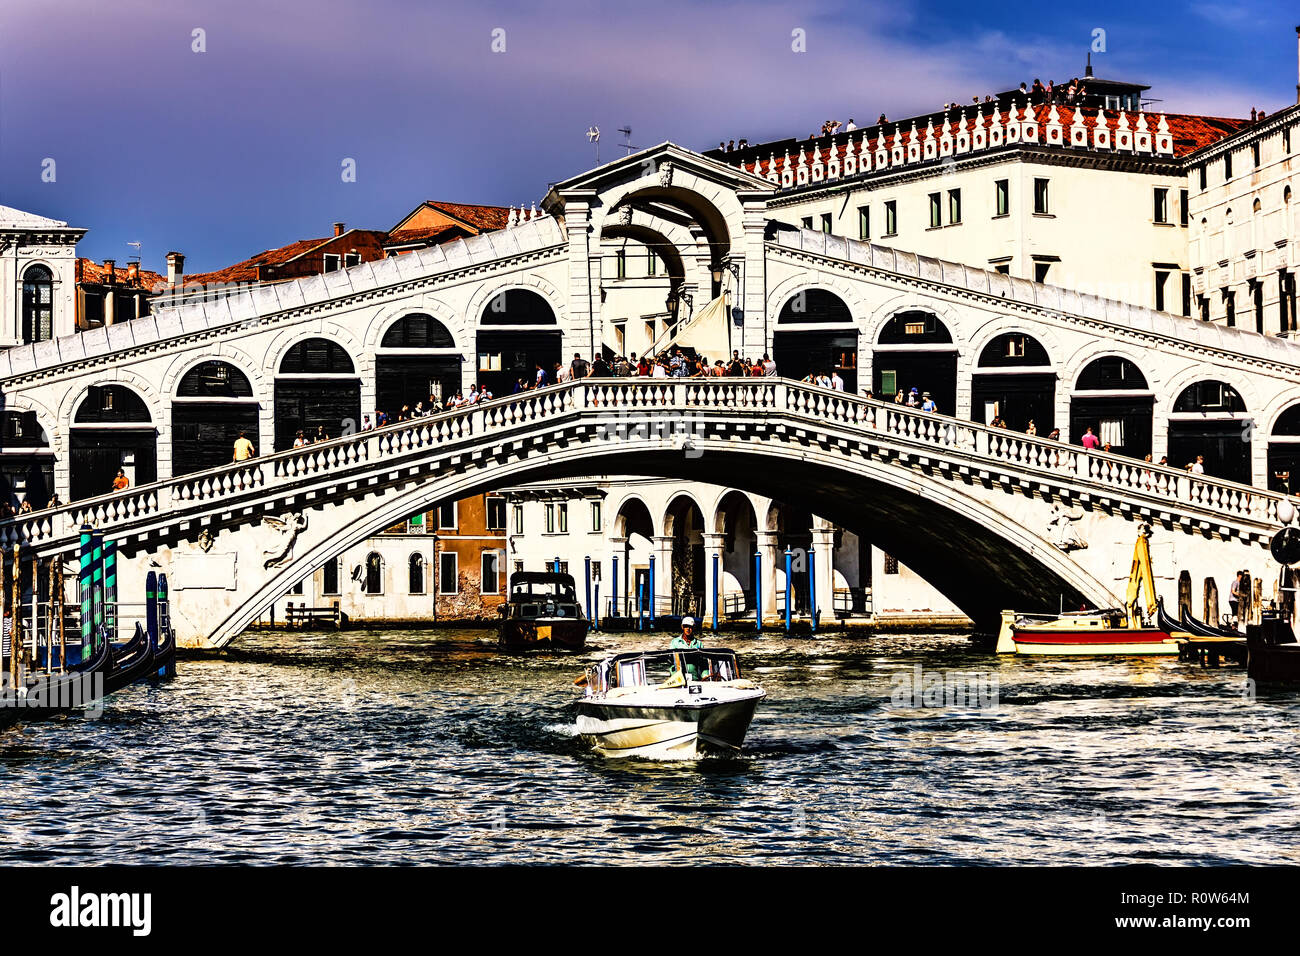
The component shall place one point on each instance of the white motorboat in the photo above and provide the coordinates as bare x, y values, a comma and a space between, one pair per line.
667, 705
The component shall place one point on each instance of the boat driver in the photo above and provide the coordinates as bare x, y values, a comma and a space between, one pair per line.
688, 640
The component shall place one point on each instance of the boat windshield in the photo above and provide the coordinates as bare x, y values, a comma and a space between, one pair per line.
542, 587
664, 667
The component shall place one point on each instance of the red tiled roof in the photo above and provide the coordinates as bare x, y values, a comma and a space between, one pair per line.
1189, 133
94, 273
431, 235
481, 218
247, 270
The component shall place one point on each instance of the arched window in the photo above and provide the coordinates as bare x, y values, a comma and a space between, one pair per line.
518, 307
1210, 397
111, 404
915, 328
814, 305
1013, 349
415, 567
38, 304
316, 356
417, 331
1110, 373
214, 380
374, 573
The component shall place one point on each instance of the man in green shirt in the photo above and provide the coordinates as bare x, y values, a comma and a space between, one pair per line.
690, 641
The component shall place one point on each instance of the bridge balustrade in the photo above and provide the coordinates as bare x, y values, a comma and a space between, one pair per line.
973, 444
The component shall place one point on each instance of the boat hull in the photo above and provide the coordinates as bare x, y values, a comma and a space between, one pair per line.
1093, 642
681, 730
544, 634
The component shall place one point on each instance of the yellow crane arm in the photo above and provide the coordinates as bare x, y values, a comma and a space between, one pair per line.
1140, 578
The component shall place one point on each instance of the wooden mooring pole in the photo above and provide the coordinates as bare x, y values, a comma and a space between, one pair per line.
16, 609
56, 595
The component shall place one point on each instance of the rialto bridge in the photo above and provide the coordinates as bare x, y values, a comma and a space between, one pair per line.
990, 516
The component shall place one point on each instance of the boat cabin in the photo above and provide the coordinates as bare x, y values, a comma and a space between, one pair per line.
535, 594
656, 668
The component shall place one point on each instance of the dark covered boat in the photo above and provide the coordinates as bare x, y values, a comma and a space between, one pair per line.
132, 661
1272, 653
542, 611
45, 695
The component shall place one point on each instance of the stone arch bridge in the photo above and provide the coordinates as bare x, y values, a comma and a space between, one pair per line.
995, 519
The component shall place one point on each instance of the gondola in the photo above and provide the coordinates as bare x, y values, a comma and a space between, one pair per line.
131, 661
1195, 628
164, 654
46, 695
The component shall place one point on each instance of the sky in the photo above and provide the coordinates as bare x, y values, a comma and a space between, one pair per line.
220, 129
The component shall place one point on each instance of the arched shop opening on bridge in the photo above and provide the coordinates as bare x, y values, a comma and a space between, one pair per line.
684, 524
1112, 398
1284, 452
736, 522
1014, 381
417, 363
916, 350
517, 332
214, 403
816, 334
26, 461
1209, 419
111, 429
317, 390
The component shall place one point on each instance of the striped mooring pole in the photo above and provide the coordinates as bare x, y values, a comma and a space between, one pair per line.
85, 559
110, 588
97, 581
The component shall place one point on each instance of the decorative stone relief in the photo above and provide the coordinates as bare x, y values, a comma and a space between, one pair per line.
289, 525
1063, 534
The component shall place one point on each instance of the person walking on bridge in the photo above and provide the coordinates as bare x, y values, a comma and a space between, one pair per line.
244, 449
120, 481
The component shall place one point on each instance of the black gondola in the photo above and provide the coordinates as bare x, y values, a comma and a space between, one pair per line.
1194, 627
131, 661
46, 695
164, 653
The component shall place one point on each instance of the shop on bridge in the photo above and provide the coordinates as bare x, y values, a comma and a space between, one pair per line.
1284, 452
317, 391
1014, 382
1111, 396
417, 363
517, 332
916, 350
1209, 419
112, 429
26, 461
816, 334
214, 403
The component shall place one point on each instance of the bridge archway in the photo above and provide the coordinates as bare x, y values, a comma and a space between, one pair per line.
684, 525
417, 363
915, 350
26, 460
517, 332
214, 402
317, 391
736, 520
816, 333
1014, 380
1111, 396
1284, 451
634, 528
1209, 420
112, 429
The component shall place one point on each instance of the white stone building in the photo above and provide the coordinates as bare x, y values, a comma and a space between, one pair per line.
38, 262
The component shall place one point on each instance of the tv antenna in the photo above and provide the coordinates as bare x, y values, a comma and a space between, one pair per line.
627, 139
593, 137
137, 246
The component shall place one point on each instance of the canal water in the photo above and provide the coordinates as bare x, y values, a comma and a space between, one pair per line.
431, 747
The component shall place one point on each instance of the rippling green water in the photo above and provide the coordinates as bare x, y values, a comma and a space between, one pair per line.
422, 747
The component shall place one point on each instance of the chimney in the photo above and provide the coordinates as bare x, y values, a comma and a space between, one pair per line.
133, 273
110, 271
338, 229
175, 268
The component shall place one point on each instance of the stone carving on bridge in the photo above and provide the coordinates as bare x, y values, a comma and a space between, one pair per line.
289, 525
625, 216
1063, 533
665, 174
206, 541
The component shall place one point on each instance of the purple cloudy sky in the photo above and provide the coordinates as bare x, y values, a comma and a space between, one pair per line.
224, 153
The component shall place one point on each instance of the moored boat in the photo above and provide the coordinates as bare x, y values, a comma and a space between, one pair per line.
131, 661
667, 705
542, 612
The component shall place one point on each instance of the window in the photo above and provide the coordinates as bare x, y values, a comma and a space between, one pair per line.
826, 223
651, 262
38, 304
954, 206
1182, 208
297, 588
332, 262
496, 514
1040, 271
807, 222
891, 564
1187, 294
1254, 153
1230, 308
620, 260
447, 516
1160, 210
1257, 299
1286, 139
891, 217
595, 516
1161, 277
490, 573
1040, 197
935, 211
330, 577
1227, 166
374, 573
519, 519
1004, 268
1002, 197
1015, 345
550, 519
1205, 307
864, 222
1201, 169
519, 566
415, 574
352, 259
562, 513
448, 573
